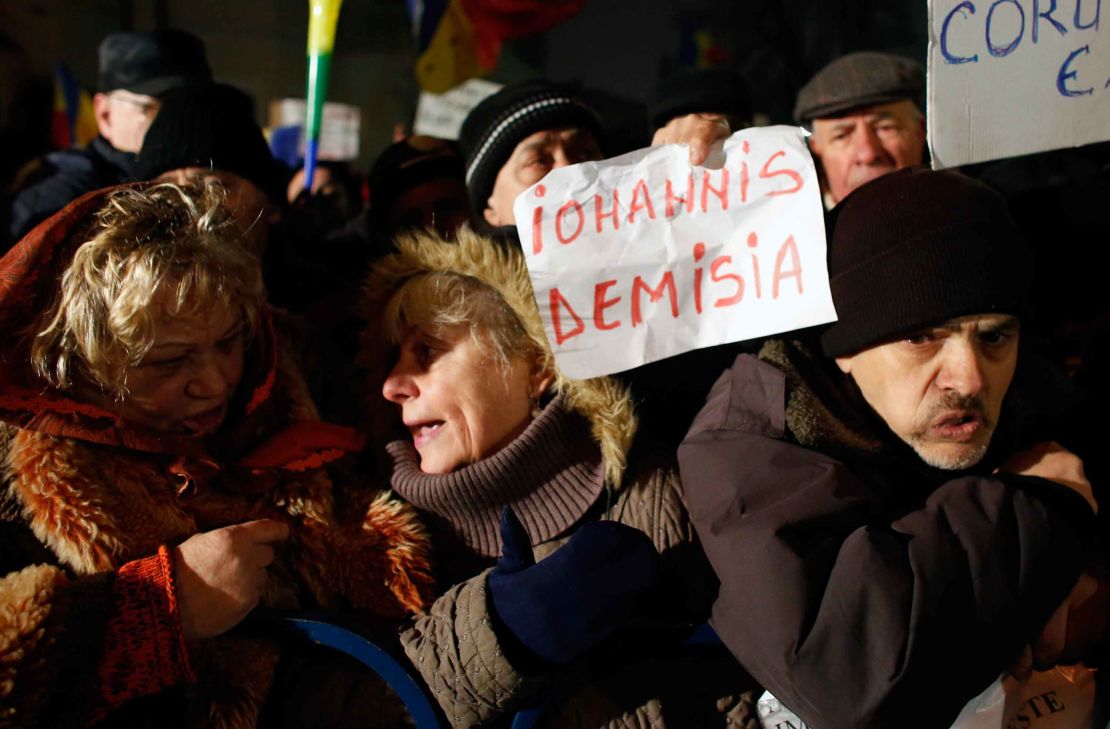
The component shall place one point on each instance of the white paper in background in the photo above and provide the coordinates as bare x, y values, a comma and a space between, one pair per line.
629, 267
339, 127
441, 115
1012, 77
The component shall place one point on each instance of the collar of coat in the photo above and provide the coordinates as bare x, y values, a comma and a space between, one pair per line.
825, 411
551, 474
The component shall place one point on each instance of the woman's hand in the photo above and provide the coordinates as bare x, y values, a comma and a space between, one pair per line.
220, 575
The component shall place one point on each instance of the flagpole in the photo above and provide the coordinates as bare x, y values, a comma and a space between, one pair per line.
323, 16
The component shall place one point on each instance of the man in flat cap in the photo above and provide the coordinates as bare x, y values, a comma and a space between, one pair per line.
865, 122
136, 70
516, 136
891, 524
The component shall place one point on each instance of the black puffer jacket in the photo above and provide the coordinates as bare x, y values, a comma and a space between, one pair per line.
67, 175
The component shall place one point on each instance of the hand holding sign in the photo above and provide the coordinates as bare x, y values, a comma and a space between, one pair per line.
642, 256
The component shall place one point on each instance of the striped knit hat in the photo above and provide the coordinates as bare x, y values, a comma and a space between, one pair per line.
494, 127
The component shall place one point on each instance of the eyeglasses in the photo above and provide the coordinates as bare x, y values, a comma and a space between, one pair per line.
146, 104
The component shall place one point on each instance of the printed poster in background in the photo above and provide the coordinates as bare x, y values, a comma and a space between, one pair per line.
442, 115
1013, 77
642, 257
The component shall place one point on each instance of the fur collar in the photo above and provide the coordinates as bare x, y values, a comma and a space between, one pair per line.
604, 402
824, 409
97, 507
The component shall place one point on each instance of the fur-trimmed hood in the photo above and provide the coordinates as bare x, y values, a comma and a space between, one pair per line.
603, 401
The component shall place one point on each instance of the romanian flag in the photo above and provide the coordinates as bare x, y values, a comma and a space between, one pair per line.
460, 39
699, 47
73, 123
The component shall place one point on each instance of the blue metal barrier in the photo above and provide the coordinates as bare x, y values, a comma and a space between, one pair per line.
392, 671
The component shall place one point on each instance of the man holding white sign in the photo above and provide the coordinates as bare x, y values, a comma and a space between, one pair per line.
516, 136
888, 535
643, 257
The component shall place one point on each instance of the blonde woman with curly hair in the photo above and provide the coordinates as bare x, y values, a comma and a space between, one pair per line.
569, 565
164, 471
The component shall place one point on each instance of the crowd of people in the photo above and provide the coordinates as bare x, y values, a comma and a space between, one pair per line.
224, 398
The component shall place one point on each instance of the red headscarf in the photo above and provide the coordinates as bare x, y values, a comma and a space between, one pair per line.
30, 276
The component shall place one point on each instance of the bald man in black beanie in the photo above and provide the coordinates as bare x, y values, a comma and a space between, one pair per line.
890, 524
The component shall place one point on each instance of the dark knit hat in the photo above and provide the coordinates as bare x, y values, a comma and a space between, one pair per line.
917, 247
495, 126
700, 90
857, 80
408, 163
213, 128
152, 63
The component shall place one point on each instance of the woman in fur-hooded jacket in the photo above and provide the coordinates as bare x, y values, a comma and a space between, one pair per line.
568, 559
163, 470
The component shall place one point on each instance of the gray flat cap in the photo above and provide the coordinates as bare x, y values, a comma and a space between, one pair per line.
857, 80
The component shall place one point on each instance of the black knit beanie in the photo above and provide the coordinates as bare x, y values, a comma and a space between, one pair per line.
406, 164
212, 128
917, 247
495, 126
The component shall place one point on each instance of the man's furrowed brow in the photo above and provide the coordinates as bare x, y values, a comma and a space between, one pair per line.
1001, 325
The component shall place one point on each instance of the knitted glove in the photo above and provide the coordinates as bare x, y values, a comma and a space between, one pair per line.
577, 596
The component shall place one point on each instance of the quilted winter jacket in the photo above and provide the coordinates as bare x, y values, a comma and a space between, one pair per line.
640, 678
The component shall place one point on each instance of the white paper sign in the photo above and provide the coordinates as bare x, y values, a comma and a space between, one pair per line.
1063, 697
642, 256
773, 715
442, 115
1012, 77
339, 126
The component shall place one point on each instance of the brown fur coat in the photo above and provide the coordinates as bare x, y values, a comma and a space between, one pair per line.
94, 508
82, 495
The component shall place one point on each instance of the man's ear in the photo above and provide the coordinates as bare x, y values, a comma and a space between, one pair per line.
845, 364
814, 143
101, 111
491, 215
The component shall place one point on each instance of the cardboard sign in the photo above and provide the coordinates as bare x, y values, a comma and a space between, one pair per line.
1012, 77
642, 256
442, 115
